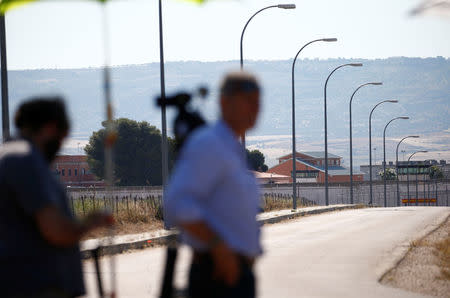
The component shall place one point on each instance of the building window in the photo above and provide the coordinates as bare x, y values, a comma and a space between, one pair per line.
412, 171
307, 174
83, 171
63, 172
75, 172
70, 172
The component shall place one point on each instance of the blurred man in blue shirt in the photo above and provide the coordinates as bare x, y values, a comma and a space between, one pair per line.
214, 199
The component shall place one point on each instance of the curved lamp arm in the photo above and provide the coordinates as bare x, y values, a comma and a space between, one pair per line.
284, 6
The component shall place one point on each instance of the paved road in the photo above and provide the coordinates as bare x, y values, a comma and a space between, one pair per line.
340, 254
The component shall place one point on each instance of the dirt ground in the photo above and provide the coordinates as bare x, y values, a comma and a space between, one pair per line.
126, 228
426, 267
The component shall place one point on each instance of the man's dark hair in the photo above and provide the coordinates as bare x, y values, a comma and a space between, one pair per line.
38, 111
237, 82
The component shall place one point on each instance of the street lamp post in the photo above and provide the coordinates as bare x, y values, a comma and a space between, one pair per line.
294, 172
375, 154
424, 192
4, 83
384, 156
435, 192
407, 175
370, 146
396, 166
164, 146
351, 144
417, 186
446, 193
283, 6
326, 128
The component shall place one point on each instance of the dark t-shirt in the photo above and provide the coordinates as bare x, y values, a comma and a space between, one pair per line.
28, 263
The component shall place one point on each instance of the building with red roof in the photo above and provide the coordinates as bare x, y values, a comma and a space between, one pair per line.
310, 168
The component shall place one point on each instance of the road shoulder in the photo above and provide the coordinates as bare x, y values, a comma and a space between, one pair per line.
425, 265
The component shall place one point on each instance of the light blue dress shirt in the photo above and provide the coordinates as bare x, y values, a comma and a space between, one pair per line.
211, 183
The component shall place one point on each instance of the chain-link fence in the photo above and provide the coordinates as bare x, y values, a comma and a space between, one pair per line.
143, 204
429, 192
145, 208
131, 209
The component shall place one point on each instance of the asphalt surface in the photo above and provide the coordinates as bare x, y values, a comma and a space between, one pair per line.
339, 254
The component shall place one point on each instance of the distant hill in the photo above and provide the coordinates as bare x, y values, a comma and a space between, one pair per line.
421, 85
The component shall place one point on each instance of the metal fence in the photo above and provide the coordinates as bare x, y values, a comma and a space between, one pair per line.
134, 208
130, 191
139, 202
144, 208
435, 192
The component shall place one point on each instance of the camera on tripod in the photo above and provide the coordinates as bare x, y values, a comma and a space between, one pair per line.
186, 120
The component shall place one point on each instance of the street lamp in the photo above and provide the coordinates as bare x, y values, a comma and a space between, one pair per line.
384, 155
325, 119
407, 172
164, 145
351, 144
283, 6
4, 80
396, 166
294, 175
370, 145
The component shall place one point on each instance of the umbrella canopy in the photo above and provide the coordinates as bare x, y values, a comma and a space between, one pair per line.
433, 7
6, 5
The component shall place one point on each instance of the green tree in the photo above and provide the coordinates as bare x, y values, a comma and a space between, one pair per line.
137, 153
435, 172
256, 160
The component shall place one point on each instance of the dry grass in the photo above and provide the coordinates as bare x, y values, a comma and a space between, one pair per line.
425, 268
132, 215
123, 228
280, 202
442, 252
138, 215
124, 209
440, 248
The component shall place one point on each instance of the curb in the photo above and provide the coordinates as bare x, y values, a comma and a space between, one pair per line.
119, 248
293, 215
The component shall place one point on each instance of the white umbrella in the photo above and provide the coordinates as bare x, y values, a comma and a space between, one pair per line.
439, 8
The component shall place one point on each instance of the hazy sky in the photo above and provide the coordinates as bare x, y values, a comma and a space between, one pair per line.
69, 33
